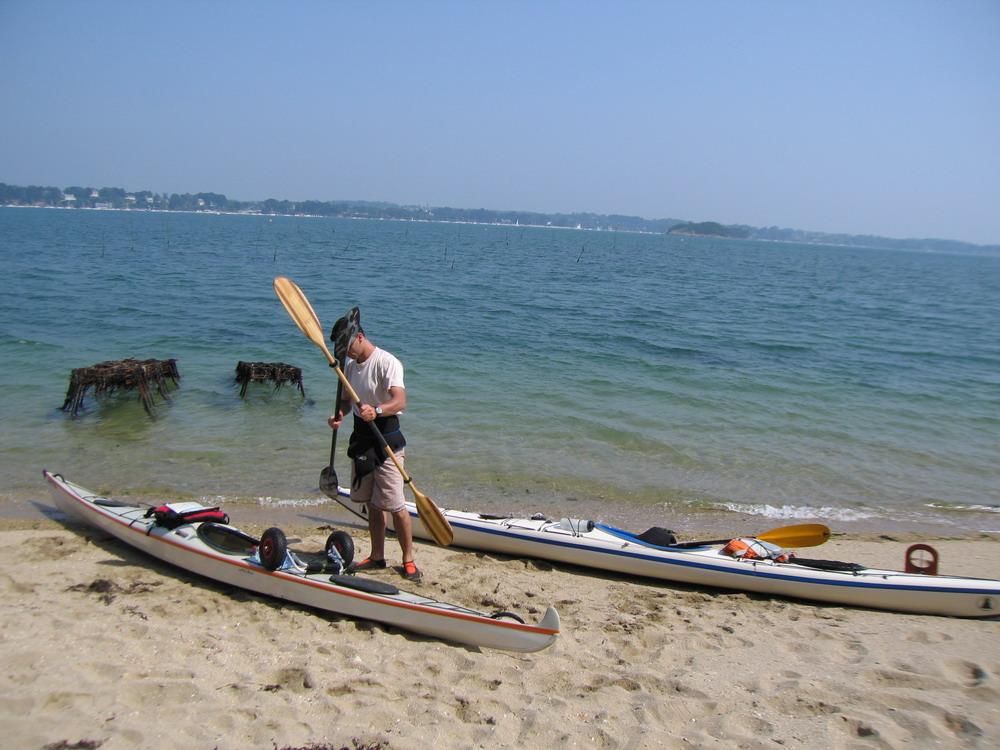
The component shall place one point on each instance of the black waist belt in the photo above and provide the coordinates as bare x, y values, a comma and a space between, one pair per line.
366, 450
363, 437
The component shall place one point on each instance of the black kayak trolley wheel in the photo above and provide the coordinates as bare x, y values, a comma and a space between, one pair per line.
344, 545
273, 548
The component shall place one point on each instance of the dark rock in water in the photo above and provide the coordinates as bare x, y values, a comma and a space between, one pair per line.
262, 372
121, 374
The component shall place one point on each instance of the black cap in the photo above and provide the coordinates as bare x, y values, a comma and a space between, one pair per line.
344, 331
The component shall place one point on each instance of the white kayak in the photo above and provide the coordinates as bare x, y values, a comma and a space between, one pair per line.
607, 548
226, 554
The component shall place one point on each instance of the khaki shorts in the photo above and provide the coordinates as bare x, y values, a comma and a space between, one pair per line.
383, 488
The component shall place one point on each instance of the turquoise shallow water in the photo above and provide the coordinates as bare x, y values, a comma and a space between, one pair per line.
627, 375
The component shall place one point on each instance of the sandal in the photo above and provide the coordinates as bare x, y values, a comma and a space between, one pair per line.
410, 572
367, 564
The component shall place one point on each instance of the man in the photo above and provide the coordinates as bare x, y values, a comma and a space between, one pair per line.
377, 378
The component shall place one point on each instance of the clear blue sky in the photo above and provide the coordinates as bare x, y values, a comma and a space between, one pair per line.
852, 116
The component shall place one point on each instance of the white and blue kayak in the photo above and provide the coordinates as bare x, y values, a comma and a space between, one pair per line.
607, 548
226, 554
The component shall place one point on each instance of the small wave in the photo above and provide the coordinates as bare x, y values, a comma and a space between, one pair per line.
778, 346
282, 502
797, 511
964, 508
26, 342
267, 502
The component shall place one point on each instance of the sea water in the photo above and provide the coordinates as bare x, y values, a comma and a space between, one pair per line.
656, 379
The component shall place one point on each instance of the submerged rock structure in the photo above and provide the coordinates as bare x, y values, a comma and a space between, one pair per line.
121, 374
263, 372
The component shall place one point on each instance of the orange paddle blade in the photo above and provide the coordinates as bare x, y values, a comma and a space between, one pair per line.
799, 535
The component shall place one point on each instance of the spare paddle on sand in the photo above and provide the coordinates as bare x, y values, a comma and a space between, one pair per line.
798, 535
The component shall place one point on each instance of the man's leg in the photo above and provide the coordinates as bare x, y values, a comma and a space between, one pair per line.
388, 494
376, 530
362, 493
404, 532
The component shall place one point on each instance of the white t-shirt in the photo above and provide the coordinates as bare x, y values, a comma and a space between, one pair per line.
373, 378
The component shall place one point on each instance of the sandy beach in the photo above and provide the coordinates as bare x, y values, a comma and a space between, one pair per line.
105, 647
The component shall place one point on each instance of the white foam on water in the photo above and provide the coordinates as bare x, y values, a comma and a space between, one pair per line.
798, 511
271, 502
281, 502
974, 508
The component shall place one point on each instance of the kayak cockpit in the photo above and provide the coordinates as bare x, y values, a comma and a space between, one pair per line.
227, 539
652, 537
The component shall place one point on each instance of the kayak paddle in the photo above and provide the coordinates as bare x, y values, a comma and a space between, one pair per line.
799, 535
328, 483
299, 309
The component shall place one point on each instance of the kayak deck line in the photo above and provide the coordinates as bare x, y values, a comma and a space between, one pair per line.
88, 503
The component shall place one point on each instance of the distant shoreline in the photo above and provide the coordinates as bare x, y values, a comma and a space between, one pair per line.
216, 212
112, 198
969, 249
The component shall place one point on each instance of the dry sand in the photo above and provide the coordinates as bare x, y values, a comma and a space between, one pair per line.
100, 643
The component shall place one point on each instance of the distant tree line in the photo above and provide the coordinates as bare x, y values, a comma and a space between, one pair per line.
112, 197
775, 234
712, 229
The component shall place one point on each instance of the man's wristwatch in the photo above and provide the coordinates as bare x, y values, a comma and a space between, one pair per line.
378, 411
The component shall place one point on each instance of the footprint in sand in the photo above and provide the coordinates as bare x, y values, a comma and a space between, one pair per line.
296, 679
49, 548
862, 729
968, 673
928, 636
961, 726
899, 678
925, 719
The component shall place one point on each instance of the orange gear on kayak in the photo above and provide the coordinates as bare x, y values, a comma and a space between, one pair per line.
754, 549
